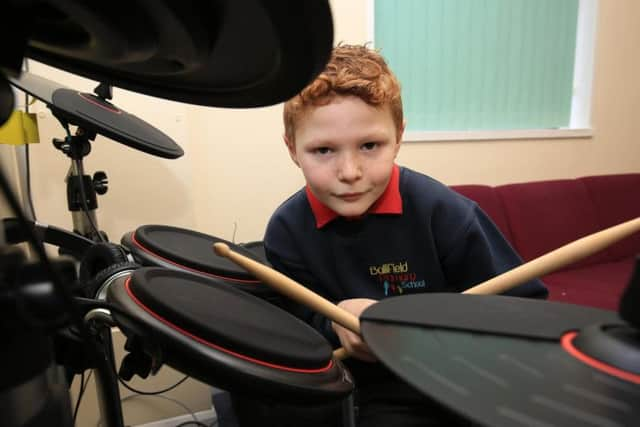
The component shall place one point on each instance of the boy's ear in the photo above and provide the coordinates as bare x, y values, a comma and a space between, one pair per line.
401, 131
399, 136
291, 146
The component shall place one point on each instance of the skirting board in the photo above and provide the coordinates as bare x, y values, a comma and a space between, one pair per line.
206, 417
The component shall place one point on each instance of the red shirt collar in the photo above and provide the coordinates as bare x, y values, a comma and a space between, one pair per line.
389, 202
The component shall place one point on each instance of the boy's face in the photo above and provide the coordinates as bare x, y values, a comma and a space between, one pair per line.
346, 150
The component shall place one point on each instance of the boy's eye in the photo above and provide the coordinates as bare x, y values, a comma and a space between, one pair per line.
322, 150
368, 146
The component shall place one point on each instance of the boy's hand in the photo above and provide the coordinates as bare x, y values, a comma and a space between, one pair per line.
349, 340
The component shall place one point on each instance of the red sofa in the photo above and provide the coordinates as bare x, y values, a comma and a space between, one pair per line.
538, 217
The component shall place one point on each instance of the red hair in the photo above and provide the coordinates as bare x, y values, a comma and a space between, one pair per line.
352, 70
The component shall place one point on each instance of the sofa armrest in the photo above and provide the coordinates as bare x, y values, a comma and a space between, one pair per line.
487, 198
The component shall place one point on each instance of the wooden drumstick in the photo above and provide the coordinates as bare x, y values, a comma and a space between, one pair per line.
340, 353
545, 264
556, 259
291, 288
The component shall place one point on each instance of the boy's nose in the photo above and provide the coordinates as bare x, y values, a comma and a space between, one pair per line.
349, 168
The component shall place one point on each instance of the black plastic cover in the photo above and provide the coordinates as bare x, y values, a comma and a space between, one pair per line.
223, 53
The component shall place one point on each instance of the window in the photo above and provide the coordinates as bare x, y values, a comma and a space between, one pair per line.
476, 69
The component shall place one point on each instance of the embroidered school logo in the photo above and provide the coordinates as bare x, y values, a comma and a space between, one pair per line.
395, 278
389, 267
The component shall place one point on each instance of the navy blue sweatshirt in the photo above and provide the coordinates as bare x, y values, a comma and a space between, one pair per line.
441, 242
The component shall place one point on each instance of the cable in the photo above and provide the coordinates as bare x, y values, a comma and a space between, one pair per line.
79, 399
27, 163
80, 392
83, 385
151, 393
103, 304
176, 401
194, 423
26, 152
138, 393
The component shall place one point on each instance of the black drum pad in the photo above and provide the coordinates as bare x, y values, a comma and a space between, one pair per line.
228, 319
227, 337
188, 248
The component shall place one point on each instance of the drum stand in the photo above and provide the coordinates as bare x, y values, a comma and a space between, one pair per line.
82, 202
94, 352
33, 319
82, 190
348, 412
108, 393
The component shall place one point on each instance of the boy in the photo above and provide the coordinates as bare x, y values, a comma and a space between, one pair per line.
364, 228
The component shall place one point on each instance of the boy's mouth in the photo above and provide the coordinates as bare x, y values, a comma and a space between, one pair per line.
350, 197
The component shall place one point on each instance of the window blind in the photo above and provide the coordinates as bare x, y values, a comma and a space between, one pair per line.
480, 64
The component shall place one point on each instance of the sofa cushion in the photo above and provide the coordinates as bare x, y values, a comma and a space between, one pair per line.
546, 215
487, 198
600, 285
616, 200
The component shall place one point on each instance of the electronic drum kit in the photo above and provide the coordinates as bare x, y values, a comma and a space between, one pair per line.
217, 315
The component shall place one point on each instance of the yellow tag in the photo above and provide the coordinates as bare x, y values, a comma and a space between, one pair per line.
21, 128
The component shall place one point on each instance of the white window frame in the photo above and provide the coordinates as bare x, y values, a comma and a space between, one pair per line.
580, 120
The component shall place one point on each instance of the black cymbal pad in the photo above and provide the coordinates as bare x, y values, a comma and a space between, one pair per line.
499, 360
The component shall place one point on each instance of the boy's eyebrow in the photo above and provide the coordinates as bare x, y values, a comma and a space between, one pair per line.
376, 134
371, 135
319, 142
